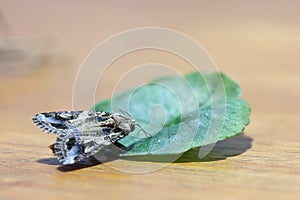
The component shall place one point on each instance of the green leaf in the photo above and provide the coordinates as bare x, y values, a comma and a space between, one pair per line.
181, 112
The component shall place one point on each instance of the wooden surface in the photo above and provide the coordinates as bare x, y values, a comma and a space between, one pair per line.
259, 48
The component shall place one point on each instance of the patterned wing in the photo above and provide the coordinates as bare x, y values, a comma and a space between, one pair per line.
80, 134
55, 122
70, 149
76, 146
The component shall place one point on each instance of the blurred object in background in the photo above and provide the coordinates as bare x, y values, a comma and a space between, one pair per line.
18, 55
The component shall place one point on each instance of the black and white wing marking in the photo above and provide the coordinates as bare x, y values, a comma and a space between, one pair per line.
80, 134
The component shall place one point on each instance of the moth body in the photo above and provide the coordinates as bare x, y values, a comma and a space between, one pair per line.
81, 134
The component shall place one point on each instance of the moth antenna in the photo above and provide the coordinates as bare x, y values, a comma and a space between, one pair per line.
124, 112
144, 131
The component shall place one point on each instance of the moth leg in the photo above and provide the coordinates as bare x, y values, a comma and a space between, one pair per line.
109, 138
144, 131
51, 146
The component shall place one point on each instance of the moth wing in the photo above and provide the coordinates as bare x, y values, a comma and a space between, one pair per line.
55, 122
74, 147
79, 133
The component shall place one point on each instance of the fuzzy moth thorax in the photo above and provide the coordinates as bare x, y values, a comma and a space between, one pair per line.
125, 123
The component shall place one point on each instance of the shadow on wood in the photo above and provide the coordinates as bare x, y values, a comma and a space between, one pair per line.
230, 147
89, 162
223, 149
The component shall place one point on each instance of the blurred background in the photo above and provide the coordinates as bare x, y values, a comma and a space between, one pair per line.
246, 39
256, 43
43, 43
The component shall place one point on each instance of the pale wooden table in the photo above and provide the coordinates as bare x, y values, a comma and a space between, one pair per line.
255, 44
261, 163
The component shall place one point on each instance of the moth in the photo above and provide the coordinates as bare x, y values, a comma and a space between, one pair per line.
81, 134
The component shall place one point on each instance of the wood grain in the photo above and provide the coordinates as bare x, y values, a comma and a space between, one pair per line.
262, 163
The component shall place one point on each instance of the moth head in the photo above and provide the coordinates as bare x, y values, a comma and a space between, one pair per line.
125, 123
